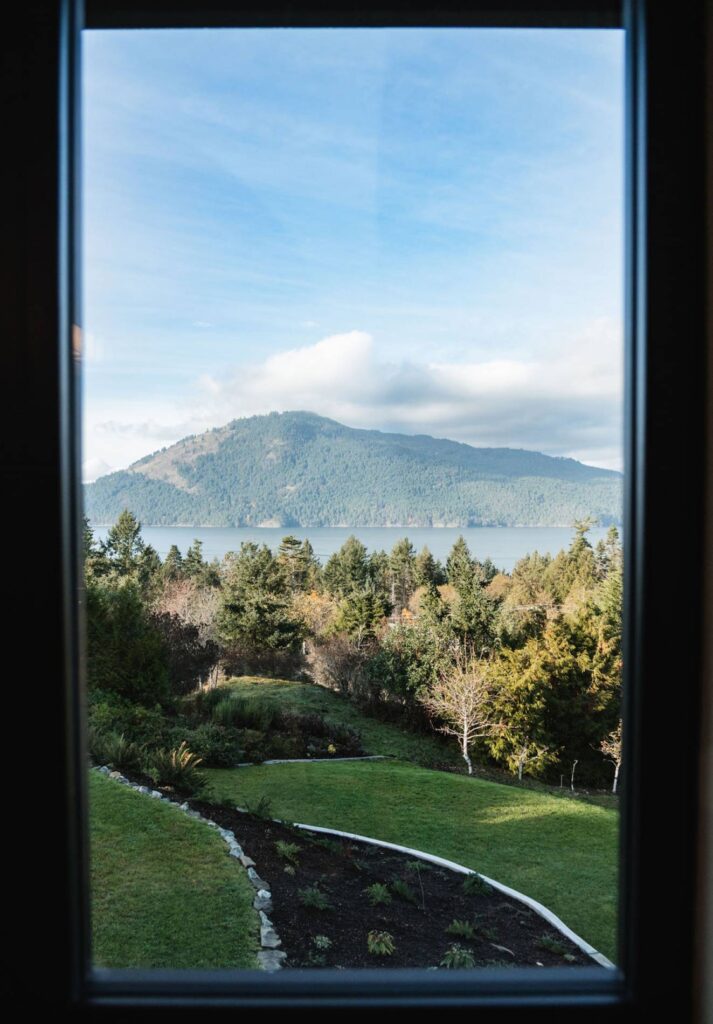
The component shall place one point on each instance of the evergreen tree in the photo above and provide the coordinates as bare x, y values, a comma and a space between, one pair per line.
256, 611
427, 569
459, 565
127, 554
360, 614
173, 564
347, 569
402, 573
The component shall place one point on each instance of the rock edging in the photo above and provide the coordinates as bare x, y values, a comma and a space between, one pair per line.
270, 957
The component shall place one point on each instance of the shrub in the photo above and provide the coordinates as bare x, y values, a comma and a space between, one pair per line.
176, 768
314, 898
380, 943
457, 957
322, 942
149, 727
474, 885
261, 808
115, 750
403, 890
216, 745
288, 851
245, 712
463, 929
378, 893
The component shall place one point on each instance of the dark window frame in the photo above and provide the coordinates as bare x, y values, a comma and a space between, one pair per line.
666, 401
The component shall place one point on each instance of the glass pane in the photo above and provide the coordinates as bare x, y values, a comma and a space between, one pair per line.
353, 441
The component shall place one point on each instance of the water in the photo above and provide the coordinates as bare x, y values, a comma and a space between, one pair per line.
503, 544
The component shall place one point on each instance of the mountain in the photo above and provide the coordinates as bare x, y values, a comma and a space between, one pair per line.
300, 469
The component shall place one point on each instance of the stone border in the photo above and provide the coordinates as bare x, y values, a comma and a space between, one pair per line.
270, 957
539, 908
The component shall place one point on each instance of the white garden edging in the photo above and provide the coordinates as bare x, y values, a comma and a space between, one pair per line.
452, 866
312, 760
270, 957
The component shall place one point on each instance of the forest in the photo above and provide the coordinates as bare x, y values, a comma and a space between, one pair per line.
518, 673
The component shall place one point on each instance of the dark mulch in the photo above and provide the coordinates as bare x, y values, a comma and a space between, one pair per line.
506, 933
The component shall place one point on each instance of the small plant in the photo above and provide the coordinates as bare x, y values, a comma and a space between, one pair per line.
314, 898
463, 929
288, 851
115, 750
475, 886
457, 957
403, 890
552, 945
415, 867
176, 768
380, 943
321, 942
289, 869
261, 809
378, 893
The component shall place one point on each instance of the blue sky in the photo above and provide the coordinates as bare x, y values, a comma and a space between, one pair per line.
415, 230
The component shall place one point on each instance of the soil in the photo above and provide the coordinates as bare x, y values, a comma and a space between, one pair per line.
505, 932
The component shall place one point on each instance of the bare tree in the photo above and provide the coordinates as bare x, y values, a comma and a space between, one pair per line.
462, 701
611, 748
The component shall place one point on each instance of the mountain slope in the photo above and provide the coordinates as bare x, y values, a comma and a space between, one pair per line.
300, 469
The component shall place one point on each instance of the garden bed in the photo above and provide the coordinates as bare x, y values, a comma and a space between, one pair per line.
329, 894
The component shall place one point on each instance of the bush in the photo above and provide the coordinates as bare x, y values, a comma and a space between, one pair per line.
380, 943
378, 893
314, 898
115, 750
216, 745
457, 957
245, 712
177, 769
144, 726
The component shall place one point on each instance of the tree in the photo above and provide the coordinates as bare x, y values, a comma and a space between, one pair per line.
256, 611
402, 573
173, 568
347, 569
298, 563
360, 613
127, 554
459, 565
462, 700
611, 748
427, 569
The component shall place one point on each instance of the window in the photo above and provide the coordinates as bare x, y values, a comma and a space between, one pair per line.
665, 419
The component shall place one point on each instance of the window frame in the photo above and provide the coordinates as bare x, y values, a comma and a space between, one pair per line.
664, 415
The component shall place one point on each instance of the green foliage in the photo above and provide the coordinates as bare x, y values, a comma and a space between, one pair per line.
462, 929
322, 942
115, 750
552, 945
261, 808
378, 893
217, 746
360, 614
322, 473
474, 885
380, 943
313, 898
177, 769
126, 654
288, 851
403, 890
456, 957
256, 612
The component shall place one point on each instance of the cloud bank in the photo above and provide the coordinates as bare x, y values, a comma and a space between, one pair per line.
567, 401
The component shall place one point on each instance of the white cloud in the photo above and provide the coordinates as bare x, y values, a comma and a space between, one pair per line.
565, 402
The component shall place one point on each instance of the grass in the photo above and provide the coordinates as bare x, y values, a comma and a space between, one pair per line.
377, 737
165, 892
560, 851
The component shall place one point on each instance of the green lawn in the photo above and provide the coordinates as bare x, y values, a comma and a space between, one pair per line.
165, 892
377, 737
560, 851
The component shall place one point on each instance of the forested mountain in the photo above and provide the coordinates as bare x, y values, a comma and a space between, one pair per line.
300, 469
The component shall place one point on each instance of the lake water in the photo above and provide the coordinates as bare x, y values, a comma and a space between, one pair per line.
504, 545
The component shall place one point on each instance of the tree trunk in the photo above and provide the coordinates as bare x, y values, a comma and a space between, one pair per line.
466, 757
616, 775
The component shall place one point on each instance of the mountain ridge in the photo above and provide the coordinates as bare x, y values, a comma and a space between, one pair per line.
303, 470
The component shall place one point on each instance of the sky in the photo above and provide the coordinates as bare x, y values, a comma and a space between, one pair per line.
417, 230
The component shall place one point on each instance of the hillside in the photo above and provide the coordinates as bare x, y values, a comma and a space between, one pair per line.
300, 469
